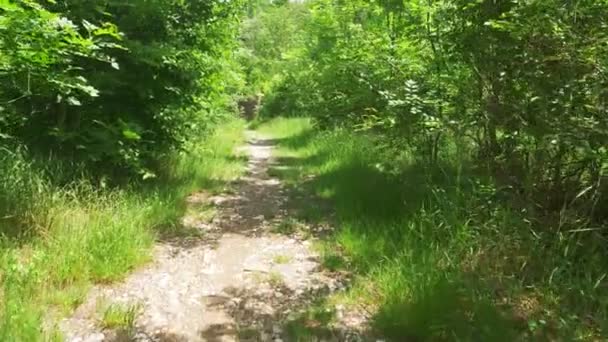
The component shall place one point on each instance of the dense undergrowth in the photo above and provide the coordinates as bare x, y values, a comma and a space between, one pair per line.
437, 251
67, 237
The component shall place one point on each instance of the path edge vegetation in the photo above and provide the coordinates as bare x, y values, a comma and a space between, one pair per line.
431, 258
463, 145
111, 113
86, 233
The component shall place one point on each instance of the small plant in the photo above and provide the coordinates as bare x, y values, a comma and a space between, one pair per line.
249, 334
202, 212
285, 227
333, 262
313, 324
258, 277
120, 317
275, 279
331, 257
281, 259
288, 227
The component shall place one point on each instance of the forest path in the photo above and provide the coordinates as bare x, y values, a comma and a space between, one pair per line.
237, 281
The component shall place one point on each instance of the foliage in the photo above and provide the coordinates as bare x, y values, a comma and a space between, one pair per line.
519, 84
271, 36
459, 134
58, 240
437, 256
111, 84
121, 317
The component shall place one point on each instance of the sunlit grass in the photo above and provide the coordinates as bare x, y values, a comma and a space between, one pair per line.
282, 128
120, 317
58, 241
435, 254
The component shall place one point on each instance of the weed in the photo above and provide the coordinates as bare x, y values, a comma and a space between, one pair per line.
275, 279
289, 226
286, 227
331, 257
281, 259
202, 212
249, 334
120, 317
312, 325
259, 277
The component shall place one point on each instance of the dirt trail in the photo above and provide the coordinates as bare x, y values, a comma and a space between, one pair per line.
238, 282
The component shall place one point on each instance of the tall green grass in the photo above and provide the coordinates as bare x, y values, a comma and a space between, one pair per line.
57, 241
437, 251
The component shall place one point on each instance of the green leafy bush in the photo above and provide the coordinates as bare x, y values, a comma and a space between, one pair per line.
110, 84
